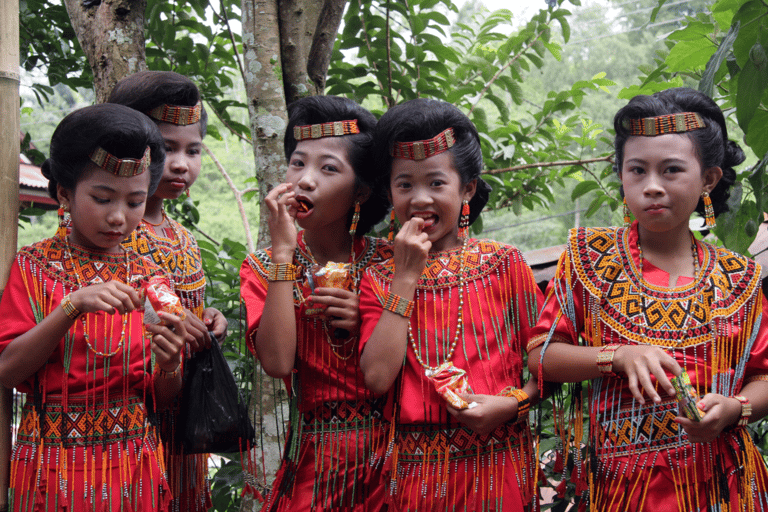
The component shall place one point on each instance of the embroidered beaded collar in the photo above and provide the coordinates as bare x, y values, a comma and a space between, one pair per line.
124, 167
421, 149
660, 125
177, 114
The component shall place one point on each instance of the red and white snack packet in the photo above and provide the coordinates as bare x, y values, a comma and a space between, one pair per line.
159, 297
449, 381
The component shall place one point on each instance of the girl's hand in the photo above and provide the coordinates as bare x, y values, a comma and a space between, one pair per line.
343, 309
168, 341
412, 246
281, 204
490, 412
638, 362
721, 412
112, 297
215, 322
197, 332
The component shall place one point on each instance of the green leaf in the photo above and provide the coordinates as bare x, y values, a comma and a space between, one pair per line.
707, 83
687, 55
582, 188
752, 82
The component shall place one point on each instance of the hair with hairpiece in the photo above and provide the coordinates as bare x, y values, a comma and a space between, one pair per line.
326, 109
711, 143
422, 119
119, 130
146, 90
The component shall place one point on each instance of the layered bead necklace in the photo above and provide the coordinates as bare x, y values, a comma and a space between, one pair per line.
694, 252
83, 315
460, 316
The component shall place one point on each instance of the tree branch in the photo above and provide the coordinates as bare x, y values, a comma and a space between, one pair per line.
319, 57
561, 163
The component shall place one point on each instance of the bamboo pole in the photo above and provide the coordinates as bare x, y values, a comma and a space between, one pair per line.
9, 194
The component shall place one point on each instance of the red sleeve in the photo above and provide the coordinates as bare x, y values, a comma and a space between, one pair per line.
757, 364
15, 306
253, 292
371, 297
563, 288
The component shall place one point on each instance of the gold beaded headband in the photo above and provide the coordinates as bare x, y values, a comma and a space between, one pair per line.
176, 114
670, 123
124, 167
421, 149
332, 129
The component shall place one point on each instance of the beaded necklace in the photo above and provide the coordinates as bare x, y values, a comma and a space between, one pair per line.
82, 316
356, 288
177, 236
460, 319
694, 252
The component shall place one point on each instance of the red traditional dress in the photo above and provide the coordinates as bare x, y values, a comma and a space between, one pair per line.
334, 453
175, 250
436, 463
639, 458
84, 440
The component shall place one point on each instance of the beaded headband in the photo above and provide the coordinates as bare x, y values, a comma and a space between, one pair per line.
670, 123
421, 149
332, 129
124, 167
176, 114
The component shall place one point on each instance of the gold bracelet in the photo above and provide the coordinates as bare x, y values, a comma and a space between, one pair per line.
168, 375
398, 305
605, 360
282, 272
746, 410
70, 310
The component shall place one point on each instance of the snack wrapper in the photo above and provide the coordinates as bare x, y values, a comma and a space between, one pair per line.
159, 297
449, 381
687, 398
333, 275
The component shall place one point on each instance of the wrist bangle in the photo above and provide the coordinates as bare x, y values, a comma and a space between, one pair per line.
398, 305
605, 360
282, 272
746, 410
168, 375
523, 400
69, 309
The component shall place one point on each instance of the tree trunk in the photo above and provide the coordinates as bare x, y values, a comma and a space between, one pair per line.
9, 195
111, 33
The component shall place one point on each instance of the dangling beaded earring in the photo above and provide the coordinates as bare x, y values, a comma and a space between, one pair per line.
62, 231
391, 235
464, 220
709, 211
627, 215
187, 192
355, 220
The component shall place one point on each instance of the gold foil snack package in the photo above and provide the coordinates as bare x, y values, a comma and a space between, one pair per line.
159, 297
449, 382
332, 275
687, 398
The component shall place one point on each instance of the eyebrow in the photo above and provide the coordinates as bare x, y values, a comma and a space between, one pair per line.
304, 154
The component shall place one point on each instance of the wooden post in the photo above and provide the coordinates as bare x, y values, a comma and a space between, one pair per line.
9, 194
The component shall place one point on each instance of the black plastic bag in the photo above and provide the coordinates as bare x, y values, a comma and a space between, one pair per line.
213, 417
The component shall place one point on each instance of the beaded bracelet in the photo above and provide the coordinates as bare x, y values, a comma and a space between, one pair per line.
282, 272
169, 375
746, 410
523, 400
398, 305
69, 309
605, 360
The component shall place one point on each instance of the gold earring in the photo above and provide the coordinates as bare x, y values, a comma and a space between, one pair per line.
627, 215
61, 232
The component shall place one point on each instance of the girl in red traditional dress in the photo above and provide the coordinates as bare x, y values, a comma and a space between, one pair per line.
173, 102
636, 308
304, 329
72, 336
444, 324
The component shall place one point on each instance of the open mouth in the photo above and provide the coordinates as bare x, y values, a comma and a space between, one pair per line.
303, 205
429, 220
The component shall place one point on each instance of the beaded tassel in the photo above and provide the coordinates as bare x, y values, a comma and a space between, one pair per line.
62, 231
355, 220
391, 235
627, 214
709, 211
464, 220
